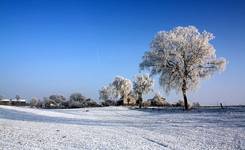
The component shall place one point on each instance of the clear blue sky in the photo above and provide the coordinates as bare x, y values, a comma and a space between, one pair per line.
64, 46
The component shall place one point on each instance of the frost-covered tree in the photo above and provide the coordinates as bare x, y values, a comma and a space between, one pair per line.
58, 98
77, 100
142, 85
182, 56
122, 87
107, 93
78, 97
33, 102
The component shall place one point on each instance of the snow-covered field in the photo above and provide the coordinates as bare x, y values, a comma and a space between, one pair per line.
121, 128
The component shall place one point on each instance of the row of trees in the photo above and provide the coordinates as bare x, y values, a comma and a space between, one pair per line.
76, 100
181, 57
123, 91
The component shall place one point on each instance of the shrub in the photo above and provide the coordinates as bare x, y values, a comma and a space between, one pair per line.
180, 103
74, 104
108, 103
49, 103
57, 98
92, 103
146, 103
119, 102
166, 104
157, 100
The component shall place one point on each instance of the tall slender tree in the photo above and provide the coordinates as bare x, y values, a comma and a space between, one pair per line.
122, 87
142, 85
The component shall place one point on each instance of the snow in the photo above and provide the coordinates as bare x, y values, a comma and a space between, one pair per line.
121, 128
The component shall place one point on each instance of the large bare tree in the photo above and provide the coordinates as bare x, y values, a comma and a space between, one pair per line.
182, 56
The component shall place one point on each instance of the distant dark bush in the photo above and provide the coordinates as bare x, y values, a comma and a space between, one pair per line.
180, 103
49, 103
108, 103
167, 104
92, 103
146, 103
119, 102
159, 101
58, 98
40, 104
74, 104
65, 104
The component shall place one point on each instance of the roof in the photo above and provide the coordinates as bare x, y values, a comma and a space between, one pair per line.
18, 100
4, 100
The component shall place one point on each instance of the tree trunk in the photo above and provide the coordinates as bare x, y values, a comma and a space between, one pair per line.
121, 101
184, 95
140, 100
185, 100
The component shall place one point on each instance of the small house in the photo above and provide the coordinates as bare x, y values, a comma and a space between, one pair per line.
5, 102
18, 102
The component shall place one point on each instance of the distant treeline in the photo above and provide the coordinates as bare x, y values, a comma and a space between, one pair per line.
77, 100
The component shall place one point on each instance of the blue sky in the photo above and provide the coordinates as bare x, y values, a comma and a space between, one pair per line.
64, 46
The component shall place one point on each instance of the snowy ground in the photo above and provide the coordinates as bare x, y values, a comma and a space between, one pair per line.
121, 128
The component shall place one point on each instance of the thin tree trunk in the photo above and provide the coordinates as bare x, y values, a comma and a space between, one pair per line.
121, 101
140, 100
184, 95
185, 100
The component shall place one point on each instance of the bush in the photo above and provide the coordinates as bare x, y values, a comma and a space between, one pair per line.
157, 100
108, 103
57, 98
119, 102
146, 103
65, 104
92, 104
180, 103
74, 104
49, 103
167, 104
